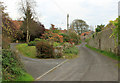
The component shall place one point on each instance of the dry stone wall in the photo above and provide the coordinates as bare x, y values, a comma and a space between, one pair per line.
103, 41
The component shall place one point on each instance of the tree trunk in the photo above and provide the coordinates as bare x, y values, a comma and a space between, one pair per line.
27, 38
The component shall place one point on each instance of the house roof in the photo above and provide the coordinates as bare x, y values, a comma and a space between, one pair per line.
86, 33
46, 29
17, 23
63, 31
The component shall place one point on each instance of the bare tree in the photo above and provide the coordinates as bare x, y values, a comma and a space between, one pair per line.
27, 10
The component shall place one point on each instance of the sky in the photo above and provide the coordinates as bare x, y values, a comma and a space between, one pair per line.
93, 12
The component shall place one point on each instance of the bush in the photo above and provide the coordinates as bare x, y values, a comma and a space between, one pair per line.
32, 43
71, 50
86, 40
66, 44
11, 65
44, 50
12, 68
66, 37
55, 44
37, 39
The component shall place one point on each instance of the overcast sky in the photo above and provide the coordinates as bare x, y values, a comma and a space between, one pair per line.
94, 12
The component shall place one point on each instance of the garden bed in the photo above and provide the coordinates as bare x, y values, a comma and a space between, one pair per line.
30, 51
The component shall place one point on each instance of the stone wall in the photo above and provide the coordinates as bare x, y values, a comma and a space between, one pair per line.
103, 41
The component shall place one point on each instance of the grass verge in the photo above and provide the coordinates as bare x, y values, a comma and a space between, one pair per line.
70, 56
25, 77
12, 67
29, 51
71, 52
109, 54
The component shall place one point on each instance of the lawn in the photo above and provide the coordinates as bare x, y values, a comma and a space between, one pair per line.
29, 51
109, 54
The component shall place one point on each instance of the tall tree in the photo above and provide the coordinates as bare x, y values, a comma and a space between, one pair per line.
30, 27
99, 28
79, 26
28, 18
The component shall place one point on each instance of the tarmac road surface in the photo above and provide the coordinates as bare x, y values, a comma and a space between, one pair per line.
89, 66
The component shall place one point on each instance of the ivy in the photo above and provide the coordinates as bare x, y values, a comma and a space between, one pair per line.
11, 65
115, 31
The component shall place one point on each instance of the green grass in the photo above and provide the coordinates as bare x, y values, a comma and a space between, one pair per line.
71, 52
12, 68
55, 44
109, 54
29, 51
70, 56
25, 77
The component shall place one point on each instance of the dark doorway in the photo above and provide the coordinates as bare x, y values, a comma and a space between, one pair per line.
99, 43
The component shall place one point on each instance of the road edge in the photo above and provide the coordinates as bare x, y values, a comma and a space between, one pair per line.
37, 79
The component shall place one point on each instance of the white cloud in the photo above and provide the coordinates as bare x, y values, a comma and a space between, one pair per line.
54, 12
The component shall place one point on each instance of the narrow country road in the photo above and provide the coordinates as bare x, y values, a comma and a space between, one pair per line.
89, 66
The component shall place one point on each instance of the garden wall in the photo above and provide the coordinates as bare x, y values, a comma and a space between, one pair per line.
103, 41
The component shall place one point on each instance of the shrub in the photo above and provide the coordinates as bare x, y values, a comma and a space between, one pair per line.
66, 37
12, 68
66, 44
52, 36
37, 39
71, 37
32, 43
74, 37
71, 50
55, 44
86, 40
11, 65
5, 42
44, 50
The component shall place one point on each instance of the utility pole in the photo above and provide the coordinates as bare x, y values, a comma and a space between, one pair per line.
67, 21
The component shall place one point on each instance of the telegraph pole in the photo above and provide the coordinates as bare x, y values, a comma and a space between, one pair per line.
67, 21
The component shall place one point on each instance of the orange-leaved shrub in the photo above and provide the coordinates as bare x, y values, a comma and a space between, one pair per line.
44, 50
